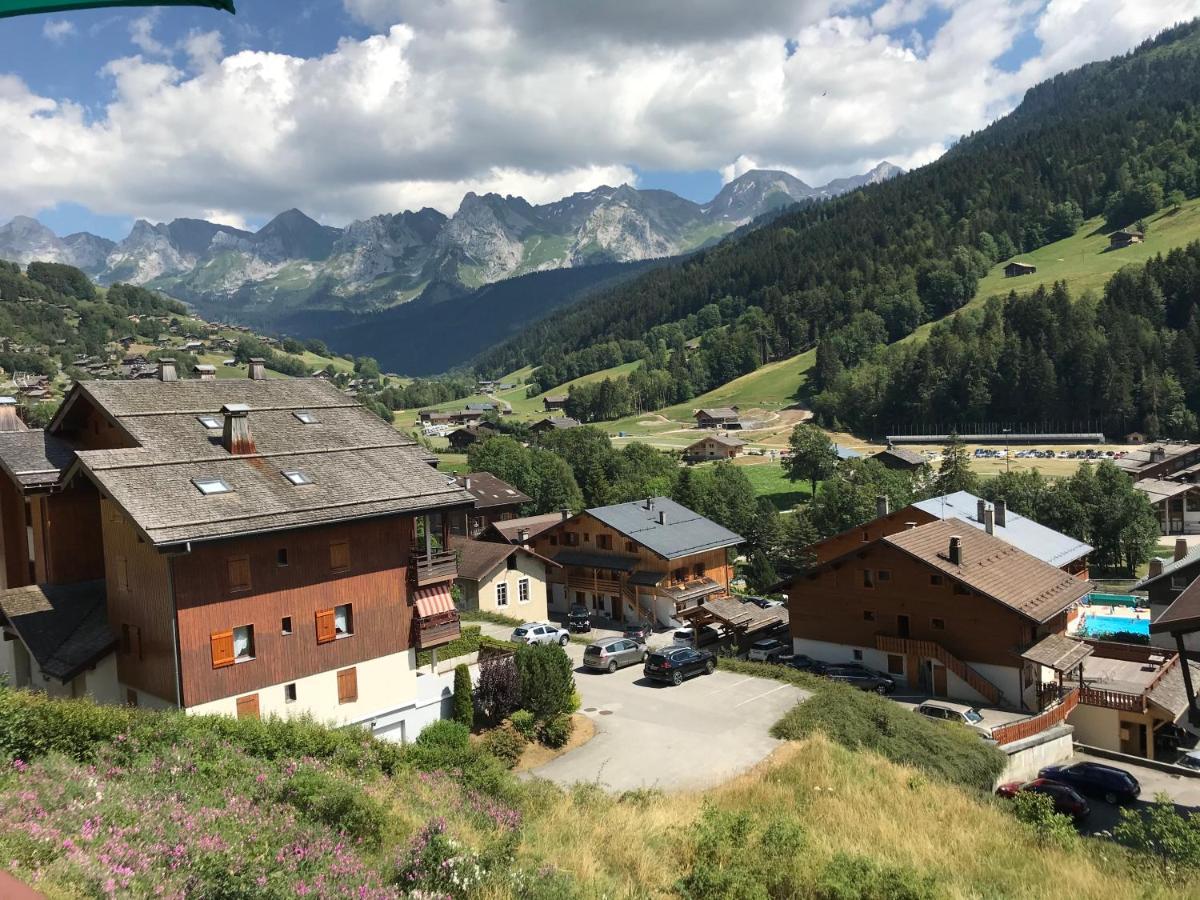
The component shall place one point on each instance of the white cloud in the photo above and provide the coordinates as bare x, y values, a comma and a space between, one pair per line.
58, 30
538, 98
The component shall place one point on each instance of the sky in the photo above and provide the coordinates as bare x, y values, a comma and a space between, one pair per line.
350, 108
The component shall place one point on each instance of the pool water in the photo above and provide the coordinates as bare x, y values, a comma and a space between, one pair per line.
1096, 625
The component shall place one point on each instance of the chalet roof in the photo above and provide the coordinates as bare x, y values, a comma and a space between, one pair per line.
682, 533
509, 529
34, 458
736, 614
845, 452
557, 422
993, 567
1035, 539
1170, 692
1169, 568
1058, 652
1127, 233
1139, 459
723, 439
64, 626
909, 457
359, 465
556, 398
479, 559
718, 412
1183, 615
1020, 265
1159, 489
489, 491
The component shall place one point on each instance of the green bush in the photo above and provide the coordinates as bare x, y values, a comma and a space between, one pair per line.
547, 682
737, 858
525, 723
556, 731
506, 744
322, 798
467, 642
848, 877
1037, 812
464, 706
444, 734
1162, 832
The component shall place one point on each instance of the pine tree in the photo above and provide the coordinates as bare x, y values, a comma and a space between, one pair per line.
955, 473
464, 707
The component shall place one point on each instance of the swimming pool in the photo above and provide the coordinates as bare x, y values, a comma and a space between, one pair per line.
1097, 626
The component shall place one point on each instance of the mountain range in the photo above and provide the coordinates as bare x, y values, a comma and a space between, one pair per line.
295, 265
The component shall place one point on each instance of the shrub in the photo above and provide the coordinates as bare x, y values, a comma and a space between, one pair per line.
1037, 812
324, 799
498, 692
468, 641
506, 744
556, 731
736, 858
848, 877
1162, 832
464, 706
434, 864
444, 734
547, 682
524, 722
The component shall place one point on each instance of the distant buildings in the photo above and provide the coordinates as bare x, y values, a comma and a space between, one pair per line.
1015, 269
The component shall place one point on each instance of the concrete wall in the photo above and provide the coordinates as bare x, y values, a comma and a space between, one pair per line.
1097, 726
1026, 758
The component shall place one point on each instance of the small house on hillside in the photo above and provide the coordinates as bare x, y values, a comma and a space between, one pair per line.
1124, 238
558, 423
554, 401
714, 446
900, 459
463, 438
507, 579
1014, 269
718, 417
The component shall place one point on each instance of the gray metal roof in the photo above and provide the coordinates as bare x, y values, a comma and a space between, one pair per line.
682, 533
1025, 534
1169, 568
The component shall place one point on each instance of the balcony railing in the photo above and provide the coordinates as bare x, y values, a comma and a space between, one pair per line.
436, 630
432, 568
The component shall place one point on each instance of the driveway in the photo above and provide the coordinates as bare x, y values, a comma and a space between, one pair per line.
1183, 790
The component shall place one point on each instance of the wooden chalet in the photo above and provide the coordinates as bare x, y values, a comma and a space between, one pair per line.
1015, 269
1167, 474
555, 401
647, 559
1125, 238
495, 501
899, 459
718, 417
524, 529
465, 437
714, 446
557, 423
241, 546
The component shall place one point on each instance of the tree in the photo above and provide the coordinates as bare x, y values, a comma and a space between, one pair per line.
813, 455
464, 707
850, 497
760, 574
547, 685
797, 536
553, 486
955, 474
498, 691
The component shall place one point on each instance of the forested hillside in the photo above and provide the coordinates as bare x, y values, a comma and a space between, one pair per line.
1119, 139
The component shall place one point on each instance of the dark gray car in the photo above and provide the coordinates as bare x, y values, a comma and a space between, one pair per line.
611, 654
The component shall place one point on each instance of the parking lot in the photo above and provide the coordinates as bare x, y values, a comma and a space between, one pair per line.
1184, 792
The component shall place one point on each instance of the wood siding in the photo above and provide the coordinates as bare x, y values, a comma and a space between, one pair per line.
375, 584
139, 594
65, 526
847, 541
14, 541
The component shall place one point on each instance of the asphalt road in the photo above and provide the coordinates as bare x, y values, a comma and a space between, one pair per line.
1183, 791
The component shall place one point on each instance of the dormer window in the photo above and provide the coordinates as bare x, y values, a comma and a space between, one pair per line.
305, 417
210, 422
296, 477
208, 486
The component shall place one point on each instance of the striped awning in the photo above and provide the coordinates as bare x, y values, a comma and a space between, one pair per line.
433, 601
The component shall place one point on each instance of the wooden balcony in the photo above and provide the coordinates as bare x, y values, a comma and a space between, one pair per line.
436, 631
433, 568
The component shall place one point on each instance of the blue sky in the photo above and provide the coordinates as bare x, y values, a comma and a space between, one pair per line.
347, 108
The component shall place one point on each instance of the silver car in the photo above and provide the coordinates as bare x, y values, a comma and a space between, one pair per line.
540, 633
611, 654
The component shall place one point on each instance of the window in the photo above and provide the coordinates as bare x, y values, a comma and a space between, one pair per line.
554, 540
131, 641
502, 595
523, 590
512, 561
281, 558
959, 589
297, 477
209, 485
239, 573
339, 556
347, 685
868, 615
938, 624
243, 643
698, 570
1179, 582
629, 547
935, 580
209, 422
884, 575
1192, 503
247, 707
587, 537
604, 542
858, 655
289, 693
868, 580
122, 574
285, 626
305, 417
570, 539
895, 664
343, 620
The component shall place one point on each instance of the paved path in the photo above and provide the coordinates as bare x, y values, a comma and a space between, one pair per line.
1182, 789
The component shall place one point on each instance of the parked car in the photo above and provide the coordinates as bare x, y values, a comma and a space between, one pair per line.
860, 676
1190, 760
540, 633
1097, 780
763, 602
766, 650
955, 712
611, 654
804, 663
674, 664
578, 618
639, 631
687, 636
1066, 799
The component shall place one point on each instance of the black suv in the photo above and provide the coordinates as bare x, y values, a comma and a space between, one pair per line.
579, 619
1098, 780
859, 676
674, 664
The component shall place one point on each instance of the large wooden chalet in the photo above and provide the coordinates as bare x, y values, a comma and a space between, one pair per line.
247, 547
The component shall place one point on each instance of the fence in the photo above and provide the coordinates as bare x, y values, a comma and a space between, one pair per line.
1018, 731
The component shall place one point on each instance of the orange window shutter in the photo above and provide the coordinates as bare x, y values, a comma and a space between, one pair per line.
222, 649
247, 707
326, 631
347, 685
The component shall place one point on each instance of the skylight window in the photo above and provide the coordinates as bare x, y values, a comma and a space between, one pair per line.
209, 422
305, 417
295, 476
208, 486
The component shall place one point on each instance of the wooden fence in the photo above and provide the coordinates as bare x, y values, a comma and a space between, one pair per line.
1025, 728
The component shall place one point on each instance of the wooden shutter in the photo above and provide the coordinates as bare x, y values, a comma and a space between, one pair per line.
339, 556
347, 685
239, 573
247, 707
222, 649
326, 631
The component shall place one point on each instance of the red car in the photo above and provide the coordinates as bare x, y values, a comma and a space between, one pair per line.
1066, 799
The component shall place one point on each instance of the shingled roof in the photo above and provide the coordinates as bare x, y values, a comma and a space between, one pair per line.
357, 464
510, 529
993, 567
489, 491
64, 626
478, 559
34, 458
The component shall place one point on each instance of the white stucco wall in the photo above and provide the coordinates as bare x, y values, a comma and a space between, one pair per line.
99, 682
528, 567
1006, 678
1097, 726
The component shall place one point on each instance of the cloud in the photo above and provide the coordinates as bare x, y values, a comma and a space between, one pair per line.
539, 98
58, 30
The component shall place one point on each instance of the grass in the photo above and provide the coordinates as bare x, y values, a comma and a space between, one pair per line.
769, 480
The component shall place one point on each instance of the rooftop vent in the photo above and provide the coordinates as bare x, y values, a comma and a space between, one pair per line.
258, 368
989, 520
523, 536
980, 508
1156, 567
566, 513
882, 506
1001, 510
662, 517
166, 370
205, 372
209, 485
236, 437
1181, 548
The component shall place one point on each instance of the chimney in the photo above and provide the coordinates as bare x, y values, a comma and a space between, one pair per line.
662, 517
236, 437
881, 506
1157, 454
9, 420
989, 520
523, 537
1181, 548
1001, 509
649, 503
980, 506
956, 550
566, 513
166, 370
1156, 567
258, 368
467, 482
